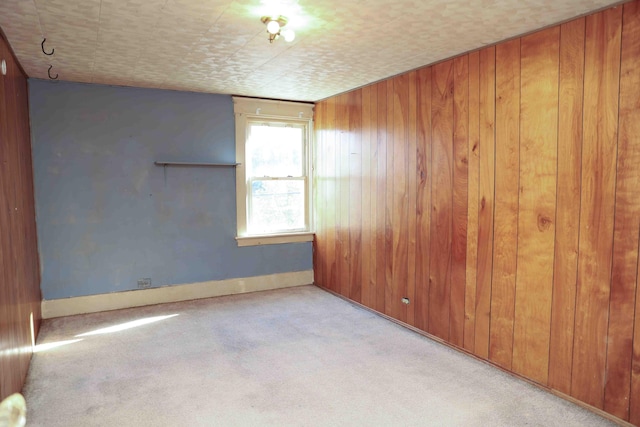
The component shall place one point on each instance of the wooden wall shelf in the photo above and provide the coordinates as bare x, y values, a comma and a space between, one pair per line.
199, 164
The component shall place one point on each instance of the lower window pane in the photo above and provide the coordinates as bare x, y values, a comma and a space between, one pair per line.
276, 206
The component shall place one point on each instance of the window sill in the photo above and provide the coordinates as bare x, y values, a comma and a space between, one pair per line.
274, 239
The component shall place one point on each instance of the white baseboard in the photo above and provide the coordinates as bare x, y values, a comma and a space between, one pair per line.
173, 293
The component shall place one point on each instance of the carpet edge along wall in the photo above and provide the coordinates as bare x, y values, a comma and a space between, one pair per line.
174, 293
19, 271
497, 191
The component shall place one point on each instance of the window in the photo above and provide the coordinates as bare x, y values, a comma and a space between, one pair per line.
273, 180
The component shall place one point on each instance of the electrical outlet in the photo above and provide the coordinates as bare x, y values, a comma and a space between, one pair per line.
144, 283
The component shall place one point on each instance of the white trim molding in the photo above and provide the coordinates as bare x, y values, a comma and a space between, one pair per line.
275, 239
173, 293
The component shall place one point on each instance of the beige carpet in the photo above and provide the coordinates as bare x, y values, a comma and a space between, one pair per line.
292, 357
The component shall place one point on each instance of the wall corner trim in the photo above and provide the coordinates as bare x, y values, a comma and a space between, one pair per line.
174, 293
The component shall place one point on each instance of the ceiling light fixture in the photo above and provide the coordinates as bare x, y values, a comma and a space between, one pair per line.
274, 28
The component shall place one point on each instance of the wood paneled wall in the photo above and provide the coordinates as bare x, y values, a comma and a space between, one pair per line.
500, 192
19, 271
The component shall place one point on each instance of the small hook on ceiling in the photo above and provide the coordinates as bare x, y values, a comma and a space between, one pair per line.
43, 51
49, 72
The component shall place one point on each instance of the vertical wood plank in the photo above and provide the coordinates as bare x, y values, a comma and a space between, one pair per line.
326, 161
18, 356
9, 360
375, 300
19, 269
342, 235
381, 210
441, 199
325, 179
319, 197
540, 195
486, 200
473, 188
339, 178
332, 192
32, 290
391, 293
412, 170
505, 241
627, 222
634, 407
536, 219
355, 194
601, 80
423, 207
400, 195
568, 208
460, 198
366, 197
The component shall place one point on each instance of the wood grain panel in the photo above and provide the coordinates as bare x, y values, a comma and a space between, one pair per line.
473, 188
355, 194
9, 330
320, 205
634, 407
391, 304
332, 192
31, 259
441, 199
412, 170
486, 200
423, 207
506, 180
629, 136
600, 120
627, 223
342, 224
400, 223
367, 211
460, 198
568, 204
318, 213
19, 270
377, 297
381, 194
323, 193
505, 243
12, 329
537, 211
323, 163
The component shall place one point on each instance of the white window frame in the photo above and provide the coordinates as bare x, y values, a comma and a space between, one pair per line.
252, 110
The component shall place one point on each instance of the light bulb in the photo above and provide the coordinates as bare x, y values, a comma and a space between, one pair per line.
273, 27
289, 35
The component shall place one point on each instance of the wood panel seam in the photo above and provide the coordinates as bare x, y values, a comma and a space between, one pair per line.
575, 317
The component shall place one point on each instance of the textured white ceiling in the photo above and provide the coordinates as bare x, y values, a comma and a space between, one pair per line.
220, 46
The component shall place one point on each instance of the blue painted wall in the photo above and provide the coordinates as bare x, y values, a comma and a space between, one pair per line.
107, 216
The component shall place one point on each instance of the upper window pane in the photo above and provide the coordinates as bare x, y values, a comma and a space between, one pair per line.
275, 150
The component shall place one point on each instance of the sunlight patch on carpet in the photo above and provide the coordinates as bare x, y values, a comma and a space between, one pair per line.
126, 325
